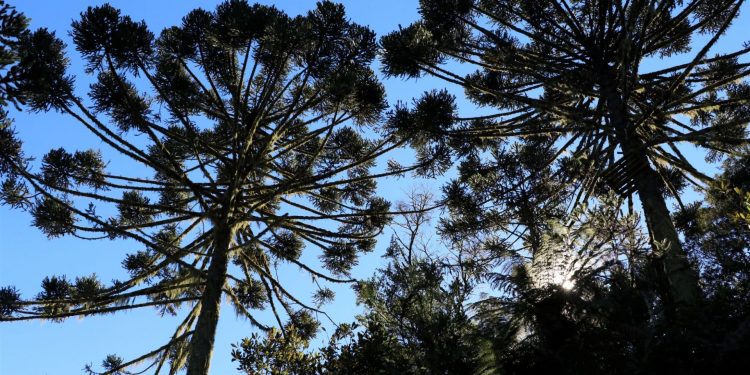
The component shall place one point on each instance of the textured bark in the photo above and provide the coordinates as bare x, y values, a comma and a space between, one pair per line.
682, 279
202, 341
684, 291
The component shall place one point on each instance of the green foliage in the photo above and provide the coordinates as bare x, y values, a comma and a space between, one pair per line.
14, 24
275, 354
415, 323
53, 217
252, 294
720, 243
585, 302
254, 135
247, 127
406, 49
570, 310
425, 126
43, 84
83, 167
416, 318
10, 147
9, 298
718, 238
280, 352
548, 72
567, 79
745, 213
13, 28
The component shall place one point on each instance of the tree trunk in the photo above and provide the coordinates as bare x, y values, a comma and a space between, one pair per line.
680, 276
202, 341
682, 280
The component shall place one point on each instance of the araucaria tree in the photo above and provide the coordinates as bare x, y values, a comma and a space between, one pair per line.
248, 129
576, 73
13, 27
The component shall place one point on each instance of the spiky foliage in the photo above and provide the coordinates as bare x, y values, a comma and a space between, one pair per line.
598, 305
244, 129
417, 322
715, 232
574, 72
586, 303
719, 239
502, 202
276, 354
13, 27
416, 318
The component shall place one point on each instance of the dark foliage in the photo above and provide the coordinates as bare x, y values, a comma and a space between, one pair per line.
248, 130
256, 136
13, 29
570, 75
416, 319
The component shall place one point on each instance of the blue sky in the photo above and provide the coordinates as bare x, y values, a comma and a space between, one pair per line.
64, 348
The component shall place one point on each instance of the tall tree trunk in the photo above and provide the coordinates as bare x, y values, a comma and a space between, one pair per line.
202, 341
682, 280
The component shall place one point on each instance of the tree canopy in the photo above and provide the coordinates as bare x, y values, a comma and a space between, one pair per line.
573, 73
245, 143
245, 128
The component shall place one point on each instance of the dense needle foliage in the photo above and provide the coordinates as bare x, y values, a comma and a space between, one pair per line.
416, 319
245, 129
253, 138
571, 73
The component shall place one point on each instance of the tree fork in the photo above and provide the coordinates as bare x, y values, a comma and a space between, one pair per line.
202, 342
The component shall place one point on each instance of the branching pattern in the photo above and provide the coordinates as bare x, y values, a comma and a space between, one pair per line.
572, 73
252, 126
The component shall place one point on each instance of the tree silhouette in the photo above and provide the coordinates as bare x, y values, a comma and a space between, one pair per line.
574, 72
13, 27
719, 239
583, 304
417, 317
242, 129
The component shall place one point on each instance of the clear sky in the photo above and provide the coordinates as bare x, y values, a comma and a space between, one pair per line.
27, 256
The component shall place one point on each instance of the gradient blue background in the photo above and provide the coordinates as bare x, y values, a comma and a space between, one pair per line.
27, 256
